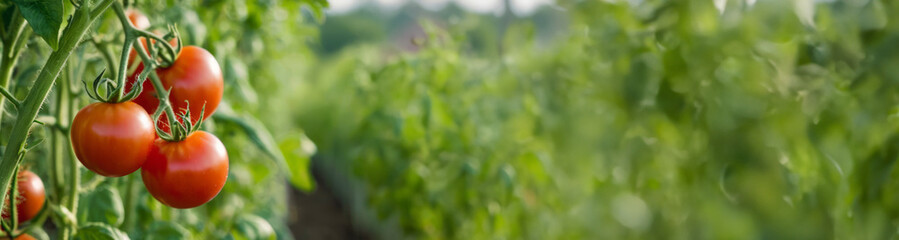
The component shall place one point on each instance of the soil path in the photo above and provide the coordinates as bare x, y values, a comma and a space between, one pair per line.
319, 215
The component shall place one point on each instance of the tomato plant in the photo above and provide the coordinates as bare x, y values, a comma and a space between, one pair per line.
74, 113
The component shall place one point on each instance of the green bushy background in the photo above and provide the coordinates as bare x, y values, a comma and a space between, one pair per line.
624, 119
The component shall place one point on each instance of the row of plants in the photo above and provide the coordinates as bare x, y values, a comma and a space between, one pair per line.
642, 119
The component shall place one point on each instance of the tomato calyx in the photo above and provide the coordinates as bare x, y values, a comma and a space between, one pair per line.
170, 52
112, 87
178, 130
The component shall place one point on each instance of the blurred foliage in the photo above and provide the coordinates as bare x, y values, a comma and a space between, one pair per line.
651, 119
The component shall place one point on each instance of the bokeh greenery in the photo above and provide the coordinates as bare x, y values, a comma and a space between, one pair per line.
640, 119
591, 119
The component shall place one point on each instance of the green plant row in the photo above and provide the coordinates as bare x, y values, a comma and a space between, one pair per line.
641, 119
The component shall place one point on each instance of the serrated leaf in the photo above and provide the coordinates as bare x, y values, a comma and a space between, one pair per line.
99, 231
44, 17
103, 204
167, 230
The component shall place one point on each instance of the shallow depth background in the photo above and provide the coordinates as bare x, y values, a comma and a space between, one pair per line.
600, 119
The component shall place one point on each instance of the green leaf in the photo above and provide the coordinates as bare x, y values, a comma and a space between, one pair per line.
99, 231
255, 131
38, 233
253, 227
296, 153
318, 8
167, 230
296, 164
44, 16
103, 204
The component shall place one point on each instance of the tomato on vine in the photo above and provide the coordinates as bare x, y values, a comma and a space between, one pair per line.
195, 76
186, 173
31, 196
112, 139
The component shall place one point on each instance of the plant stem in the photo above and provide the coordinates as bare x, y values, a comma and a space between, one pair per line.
74, 173
58, 141
130, 202
80, 22
164, 103
149, 65
12, 44
57, 175
63, 116
126, 49
13, 218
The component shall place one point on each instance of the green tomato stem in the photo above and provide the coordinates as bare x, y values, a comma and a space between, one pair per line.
149, 65
56, 173
12, 45
37, 222
13, 214
64, 115
159, 40
130, 202
130, 37
163, 96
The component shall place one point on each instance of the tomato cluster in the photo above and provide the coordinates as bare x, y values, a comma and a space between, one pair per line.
116, 139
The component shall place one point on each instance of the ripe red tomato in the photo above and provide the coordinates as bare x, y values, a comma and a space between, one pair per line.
112, 139
187, 173
195, 76
31, 196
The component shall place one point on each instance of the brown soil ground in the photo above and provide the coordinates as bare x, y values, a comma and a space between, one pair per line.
320, 215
